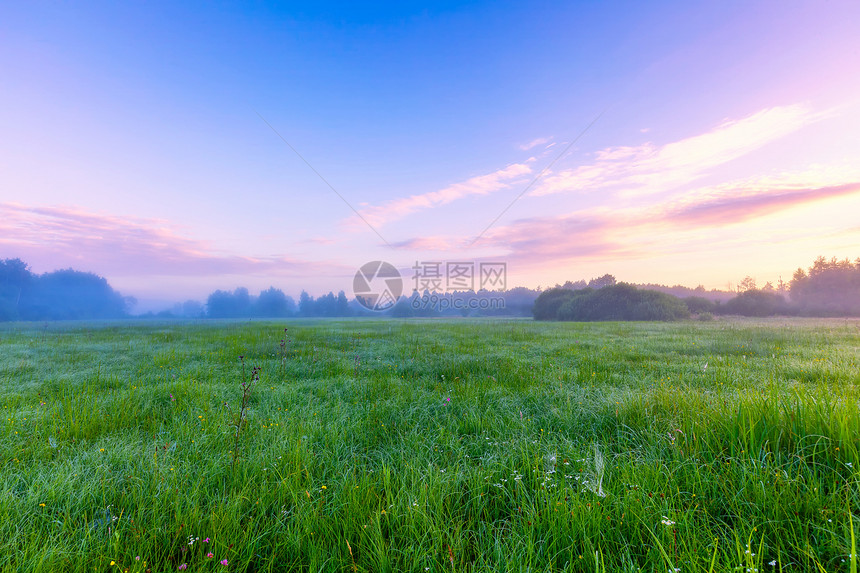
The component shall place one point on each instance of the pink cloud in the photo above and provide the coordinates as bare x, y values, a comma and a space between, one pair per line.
603, 233
54, 237
435, 243
729, 209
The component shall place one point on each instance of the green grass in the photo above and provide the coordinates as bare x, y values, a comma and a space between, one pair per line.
431, 446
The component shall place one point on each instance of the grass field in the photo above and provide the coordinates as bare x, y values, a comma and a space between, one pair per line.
430, 446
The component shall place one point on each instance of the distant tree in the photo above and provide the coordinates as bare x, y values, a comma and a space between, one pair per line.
220, 305
578, 285
225, 304
518, 301
70, 294
403, 307
755, 303
747, 284
242, 301
326, 305
188, 309
831, 288
698, 304
622, 302
342, 306
306, 304
548, 303
600, 282
274, 303
193, 309
15, 280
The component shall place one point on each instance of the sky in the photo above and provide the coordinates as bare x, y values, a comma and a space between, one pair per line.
179, 148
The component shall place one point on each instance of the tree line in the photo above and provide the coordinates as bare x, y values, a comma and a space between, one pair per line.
273, 303
830, 287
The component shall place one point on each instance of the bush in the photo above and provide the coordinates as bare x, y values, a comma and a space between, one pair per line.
615, 302
699, 304
756, 303
549, 302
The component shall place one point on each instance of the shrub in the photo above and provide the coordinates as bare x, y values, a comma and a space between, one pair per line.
756, 303
616, 302
549, 302
699, 304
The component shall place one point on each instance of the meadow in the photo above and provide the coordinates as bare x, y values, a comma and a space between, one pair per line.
430, 445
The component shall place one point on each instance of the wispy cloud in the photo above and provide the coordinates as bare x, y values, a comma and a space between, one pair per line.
535, 142
433, 243
396, 209
123, 246
650, 168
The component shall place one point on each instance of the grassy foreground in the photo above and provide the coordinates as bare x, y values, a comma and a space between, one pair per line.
430, 446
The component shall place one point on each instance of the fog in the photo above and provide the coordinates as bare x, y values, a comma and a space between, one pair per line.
827, 288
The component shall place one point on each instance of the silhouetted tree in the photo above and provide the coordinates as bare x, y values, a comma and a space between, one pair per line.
326, 305
755, 303
15, 280
220, 305
747, 284
342, 306
622, 302
70, 294
188, 309
274, 303
600, 282
225, 304
578, 285
242, 300
306, 304
698, 304
193, 309
831, 288
549, 302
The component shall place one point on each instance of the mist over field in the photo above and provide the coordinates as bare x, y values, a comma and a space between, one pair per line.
828, 288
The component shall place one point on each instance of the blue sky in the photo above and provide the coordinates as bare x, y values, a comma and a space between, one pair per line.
134, 147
